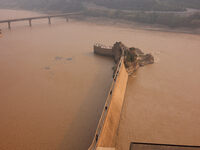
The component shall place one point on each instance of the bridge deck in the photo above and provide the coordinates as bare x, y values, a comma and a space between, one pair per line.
39, 17
66, 15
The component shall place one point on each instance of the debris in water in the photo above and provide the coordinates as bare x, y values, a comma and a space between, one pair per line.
69, 59
47, 68
58, 58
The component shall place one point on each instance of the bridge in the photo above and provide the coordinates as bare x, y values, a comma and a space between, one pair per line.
66, 16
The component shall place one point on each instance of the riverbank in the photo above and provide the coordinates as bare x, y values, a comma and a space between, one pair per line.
134, 25
122, 23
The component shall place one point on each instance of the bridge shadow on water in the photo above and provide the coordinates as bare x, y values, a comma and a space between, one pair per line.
79, 136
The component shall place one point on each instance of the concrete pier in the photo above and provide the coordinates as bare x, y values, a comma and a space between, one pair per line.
49, 18
9, 26
30, 24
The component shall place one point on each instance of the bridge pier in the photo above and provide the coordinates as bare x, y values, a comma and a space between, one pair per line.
49, 18
67, 19
9, 25
30, 23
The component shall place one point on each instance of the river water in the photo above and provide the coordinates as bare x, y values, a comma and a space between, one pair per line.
162, 101
52, 87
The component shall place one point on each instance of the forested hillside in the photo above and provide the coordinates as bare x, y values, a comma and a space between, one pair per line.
58, 5
158, 5
172, 13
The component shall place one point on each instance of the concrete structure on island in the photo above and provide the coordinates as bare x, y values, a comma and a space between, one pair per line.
116, 51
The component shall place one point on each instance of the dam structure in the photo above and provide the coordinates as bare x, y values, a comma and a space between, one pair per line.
106, 133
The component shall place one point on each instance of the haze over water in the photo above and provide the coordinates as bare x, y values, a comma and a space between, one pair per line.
52, 87
162, 101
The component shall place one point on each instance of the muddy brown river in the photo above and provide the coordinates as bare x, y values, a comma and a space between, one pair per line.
53, 88
162, 101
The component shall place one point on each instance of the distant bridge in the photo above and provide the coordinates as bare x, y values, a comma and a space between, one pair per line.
66, 16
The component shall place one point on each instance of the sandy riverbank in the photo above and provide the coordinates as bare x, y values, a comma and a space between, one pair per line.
134, 25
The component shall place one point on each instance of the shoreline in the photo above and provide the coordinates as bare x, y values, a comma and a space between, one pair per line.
119, 23
134, 25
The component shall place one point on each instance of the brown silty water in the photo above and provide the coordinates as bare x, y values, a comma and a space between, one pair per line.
162, 101
52, 87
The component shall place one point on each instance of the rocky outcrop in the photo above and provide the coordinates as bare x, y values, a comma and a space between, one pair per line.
133, 57
118, 50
